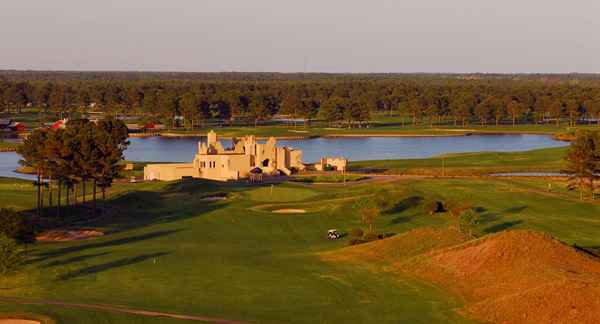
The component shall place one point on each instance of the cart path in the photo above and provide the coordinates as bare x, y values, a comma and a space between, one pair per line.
117, 309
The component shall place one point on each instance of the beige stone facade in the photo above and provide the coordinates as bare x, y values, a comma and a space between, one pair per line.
215, 162
338, 163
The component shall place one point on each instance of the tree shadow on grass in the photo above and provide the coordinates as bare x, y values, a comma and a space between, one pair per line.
492, 217
110, 265
405, 204
502, 226
402, 219
514, 210
117, 242
76, 259
138, 208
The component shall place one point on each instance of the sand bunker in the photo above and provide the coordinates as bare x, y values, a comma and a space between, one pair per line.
67, 235
518, 277
214, 198
289, 211
18, 321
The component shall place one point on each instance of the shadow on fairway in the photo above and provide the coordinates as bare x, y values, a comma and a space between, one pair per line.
111, 265
502, 226
111, 243
406, 203
76, 259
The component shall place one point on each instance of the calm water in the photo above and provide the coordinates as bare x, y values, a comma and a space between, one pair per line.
165, 149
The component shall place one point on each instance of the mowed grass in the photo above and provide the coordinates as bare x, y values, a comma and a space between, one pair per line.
178, 253
329, 178
221, 259
542, 160
17, 194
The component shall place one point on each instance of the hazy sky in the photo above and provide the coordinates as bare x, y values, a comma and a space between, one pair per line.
289, 35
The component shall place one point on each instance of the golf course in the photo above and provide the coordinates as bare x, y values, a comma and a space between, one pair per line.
172, 254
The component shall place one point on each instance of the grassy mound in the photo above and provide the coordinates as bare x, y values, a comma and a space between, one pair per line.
399, 247
518, 276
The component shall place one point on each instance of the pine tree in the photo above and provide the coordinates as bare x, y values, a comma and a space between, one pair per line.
583, 161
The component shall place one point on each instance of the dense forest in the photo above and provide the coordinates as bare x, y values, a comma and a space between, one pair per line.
340, 99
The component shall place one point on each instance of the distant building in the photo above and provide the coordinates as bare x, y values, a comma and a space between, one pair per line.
217, 163
17, 127
338, 164
62, 123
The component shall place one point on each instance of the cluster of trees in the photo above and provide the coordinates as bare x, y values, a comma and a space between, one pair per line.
345, 100
83, 152
583, 162
15, 232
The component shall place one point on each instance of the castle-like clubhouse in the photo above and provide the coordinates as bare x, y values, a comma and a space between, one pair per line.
217, 163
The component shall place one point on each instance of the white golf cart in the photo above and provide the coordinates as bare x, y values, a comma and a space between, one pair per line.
333, 234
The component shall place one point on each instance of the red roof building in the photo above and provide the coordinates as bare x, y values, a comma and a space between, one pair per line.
59, 124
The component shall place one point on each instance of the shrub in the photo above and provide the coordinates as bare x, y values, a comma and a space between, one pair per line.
11, 255
14, 226
433, 206
370, 237
356, 233
356, 241
467, 221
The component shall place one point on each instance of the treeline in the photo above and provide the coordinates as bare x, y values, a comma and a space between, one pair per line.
83, 152
343, 100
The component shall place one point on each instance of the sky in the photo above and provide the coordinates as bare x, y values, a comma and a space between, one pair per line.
458, 36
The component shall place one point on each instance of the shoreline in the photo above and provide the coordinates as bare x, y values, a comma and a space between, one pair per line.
458, 133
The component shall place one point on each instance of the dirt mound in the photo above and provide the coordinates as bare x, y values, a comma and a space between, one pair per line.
517, 277
67, 235
399, 247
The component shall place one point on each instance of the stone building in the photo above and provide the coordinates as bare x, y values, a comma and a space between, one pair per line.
337, 163
215, 162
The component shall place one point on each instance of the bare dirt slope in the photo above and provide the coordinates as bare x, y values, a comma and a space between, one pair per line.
518, 277
509, 277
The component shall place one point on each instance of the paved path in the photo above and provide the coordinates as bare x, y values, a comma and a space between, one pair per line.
117, 309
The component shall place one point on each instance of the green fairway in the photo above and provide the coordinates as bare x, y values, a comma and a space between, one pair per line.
542, 160
221, 259
233, 259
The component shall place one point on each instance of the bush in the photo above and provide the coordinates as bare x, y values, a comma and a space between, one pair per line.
370, 237
356, 241
11, 255
14, 226
433, 207
467, 221
356, 233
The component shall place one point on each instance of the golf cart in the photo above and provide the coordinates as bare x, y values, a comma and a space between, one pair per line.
333, 234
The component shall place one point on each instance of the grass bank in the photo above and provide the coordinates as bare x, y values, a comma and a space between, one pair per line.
542, 160
329, 178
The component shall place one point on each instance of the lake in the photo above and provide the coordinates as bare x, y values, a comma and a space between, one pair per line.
183, 149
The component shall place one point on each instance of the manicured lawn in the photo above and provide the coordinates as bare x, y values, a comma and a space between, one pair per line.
181, 254
542, 160
328, 178
17, 194
222, 259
